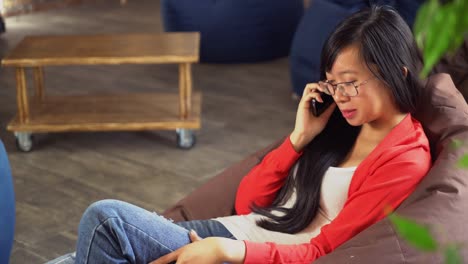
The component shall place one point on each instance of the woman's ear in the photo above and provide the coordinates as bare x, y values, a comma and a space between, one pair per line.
405, 71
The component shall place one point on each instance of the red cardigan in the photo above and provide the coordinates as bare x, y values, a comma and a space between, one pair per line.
385, 178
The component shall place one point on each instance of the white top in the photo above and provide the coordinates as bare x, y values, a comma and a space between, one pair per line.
333, 195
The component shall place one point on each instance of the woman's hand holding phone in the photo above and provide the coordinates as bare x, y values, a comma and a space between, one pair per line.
308, 126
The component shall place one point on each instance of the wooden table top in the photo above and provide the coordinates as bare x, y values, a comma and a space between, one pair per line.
180, 47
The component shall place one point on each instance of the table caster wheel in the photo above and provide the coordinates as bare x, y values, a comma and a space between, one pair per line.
24, 141
185, 138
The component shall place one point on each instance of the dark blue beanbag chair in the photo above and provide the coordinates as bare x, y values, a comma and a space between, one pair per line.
7, 207
234, 31
318, 22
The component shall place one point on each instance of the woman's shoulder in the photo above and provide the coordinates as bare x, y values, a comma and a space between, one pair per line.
406, 143
408, 134
414, 136
405, 152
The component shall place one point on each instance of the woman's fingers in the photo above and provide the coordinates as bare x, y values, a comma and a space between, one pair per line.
307, 99
312, 91
307, 89
171, 257
316, 96
329, 111
312, 87
194, 236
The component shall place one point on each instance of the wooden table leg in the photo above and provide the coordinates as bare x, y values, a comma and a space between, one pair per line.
188, 88
182, 91
39, 82
22, 95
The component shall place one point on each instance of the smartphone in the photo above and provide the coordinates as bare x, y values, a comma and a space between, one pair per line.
318, 108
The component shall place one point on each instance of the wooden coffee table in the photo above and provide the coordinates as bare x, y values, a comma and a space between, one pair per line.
178, 111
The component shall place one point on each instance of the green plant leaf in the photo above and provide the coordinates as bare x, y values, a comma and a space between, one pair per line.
456, 144
422, 21
463, 162
462, 7
425, 71
422, 16
420, 24
459, 9
414, 233
455, 44
439, 36
439, 30
452, 256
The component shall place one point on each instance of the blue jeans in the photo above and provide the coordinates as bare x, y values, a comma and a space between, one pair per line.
112, 231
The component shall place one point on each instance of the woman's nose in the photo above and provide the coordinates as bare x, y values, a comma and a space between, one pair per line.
339, 97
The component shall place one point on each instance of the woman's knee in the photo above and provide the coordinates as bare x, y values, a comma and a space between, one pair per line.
100, 211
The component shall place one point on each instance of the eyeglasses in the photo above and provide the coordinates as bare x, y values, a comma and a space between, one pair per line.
349, 89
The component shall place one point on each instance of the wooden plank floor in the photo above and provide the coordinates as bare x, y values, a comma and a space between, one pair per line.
245, 107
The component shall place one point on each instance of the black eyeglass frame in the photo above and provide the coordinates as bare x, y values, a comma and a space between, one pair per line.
335, 87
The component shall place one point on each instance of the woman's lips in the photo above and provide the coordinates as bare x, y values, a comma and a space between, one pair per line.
348, 113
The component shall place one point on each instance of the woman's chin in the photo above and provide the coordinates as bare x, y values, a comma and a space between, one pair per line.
354, 122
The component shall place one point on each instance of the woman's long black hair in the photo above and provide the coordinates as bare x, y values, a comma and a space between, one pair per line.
386, 43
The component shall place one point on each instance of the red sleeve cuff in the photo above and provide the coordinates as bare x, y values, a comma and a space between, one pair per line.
290, 146
256, 252
287, 156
